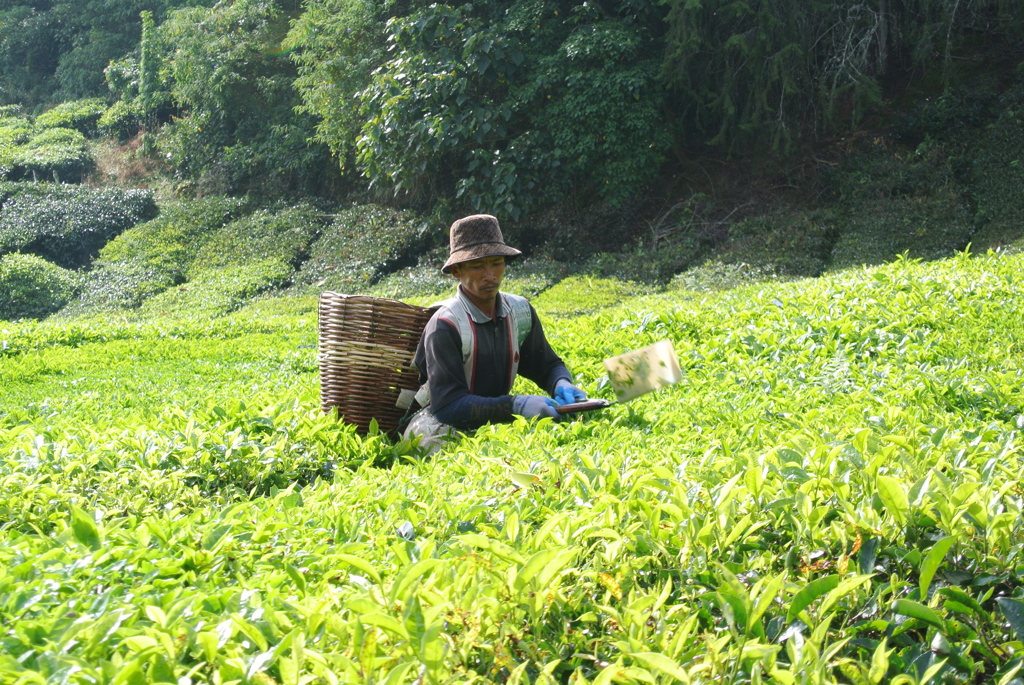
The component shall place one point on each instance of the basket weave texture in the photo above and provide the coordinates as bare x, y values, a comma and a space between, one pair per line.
366, 346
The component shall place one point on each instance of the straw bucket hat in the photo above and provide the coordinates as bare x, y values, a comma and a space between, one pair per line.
474, 237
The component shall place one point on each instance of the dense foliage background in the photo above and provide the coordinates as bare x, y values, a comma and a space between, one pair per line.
507, 107
621, 138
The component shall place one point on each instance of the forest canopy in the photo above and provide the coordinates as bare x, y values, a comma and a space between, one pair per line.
498, 106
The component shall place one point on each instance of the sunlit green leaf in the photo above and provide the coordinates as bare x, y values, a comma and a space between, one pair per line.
917, 610
810, 592
84, 528
932, 562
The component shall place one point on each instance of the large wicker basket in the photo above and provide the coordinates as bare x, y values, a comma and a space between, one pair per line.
366, 346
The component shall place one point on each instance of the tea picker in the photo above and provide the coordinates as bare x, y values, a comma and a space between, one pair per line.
472, 348
478, 342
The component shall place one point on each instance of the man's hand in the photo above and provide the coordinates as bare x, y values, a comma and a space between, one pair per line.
534, 406
567, 393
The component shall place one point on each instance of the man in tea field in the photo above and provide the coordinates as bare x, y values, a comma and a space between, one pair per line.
478, 341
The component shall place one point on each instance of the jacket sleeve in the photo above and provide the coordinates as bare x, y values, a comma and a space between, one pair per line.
439, 359
538, 362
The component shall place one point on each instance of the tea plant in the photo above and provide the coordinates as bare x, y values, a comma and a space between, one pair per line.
57, 154
577, 295
121, 120
831, 495
152, 256
67, 224
81, 115
217, 291
283, 234
362, 244
33, 287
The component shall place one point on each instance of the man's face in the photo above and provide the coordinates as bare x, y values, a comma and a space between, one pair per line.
480, 278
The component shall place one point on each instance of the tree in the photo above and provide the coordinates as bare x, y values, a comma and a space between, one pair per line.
502, 105
760, 72
227, 72
53, 50
337, 44
30, 49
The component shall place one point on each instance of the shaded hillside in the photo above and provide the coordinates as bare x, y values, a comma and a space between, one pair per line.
938, 168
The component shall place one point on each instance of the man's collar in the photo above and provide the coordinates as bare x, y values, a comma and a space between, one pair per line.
474, 311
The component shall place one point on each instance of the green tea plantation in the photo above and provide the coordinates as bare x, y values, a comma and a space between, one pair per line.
833, 494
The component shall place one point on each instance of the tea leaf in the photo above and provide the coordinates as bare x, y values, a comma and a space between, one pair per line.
844, 588
917, 610
386, 622
931, 563
1013, 611
523, 480
969, 603
84, 528
361, 564
499, 549
411, 574
661, 663
879, 662
809, 593
893, 497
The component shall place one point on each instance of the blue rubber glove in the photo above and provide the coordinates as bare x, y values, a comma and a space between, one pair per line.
567, 393
532, 406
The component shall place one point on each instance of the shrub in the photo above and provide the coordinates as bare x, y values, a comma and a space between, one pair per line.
717, 275
152, 256
119, 286
121, 120
891, 201
81, 115
365, 243
531, 276
997, 179
7, 153
172, 240
13, 133
221, 290
424, 283
265, 234
923, 227
954, 113
643, 264
68, 225
786, 244
579, 295
33, 287
418, 284
12, 189
58, 153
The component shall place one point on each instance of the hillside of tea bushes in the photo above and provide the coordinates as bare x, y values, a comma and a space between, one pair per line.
833, 494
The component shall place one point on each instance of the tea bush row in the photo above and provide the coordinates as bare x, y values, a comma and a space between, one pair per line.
81, 115
33, 287
284, 234
68, 224
361, 246
58, 154
121, 120
217, 291
154, 255
52, 146
997, 174
831, 495
234, 263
